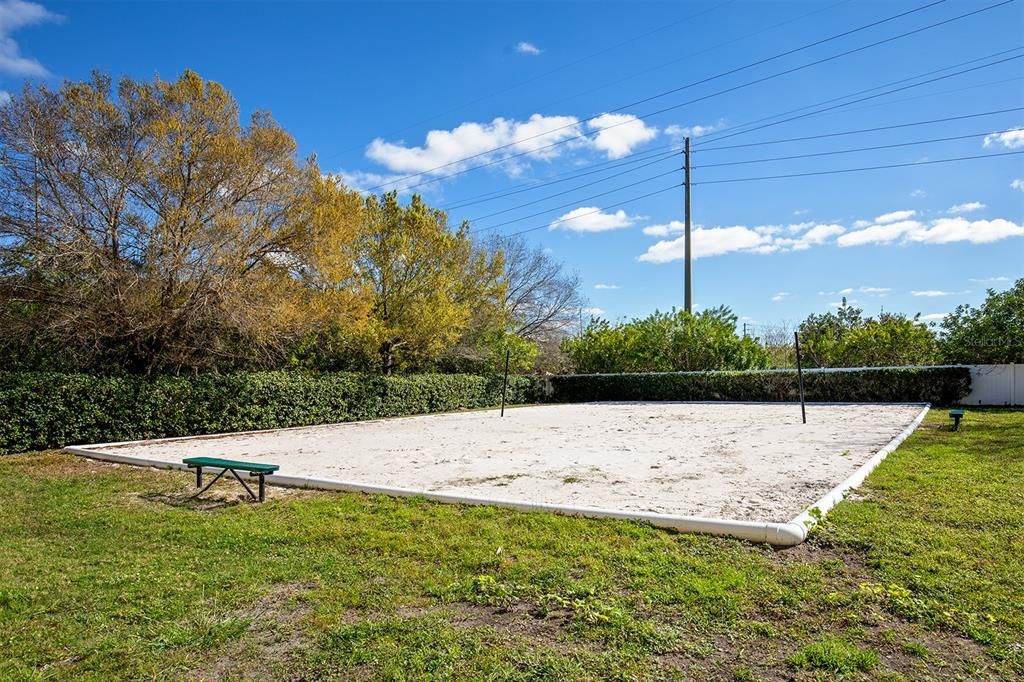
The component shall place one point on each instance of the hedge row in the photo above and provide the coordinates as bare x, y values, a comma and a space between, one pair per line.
937, 385
40, 410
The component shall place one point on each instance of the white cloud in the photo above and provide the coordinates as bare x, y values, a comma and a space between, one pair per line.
969, 207
619, 134
946, 230
894, 217
877, 234
990, 280
933, 317
716, 241
591, 219
16, 14
539, 138
594, 312
819, 234
934, 293
606, 286
888, 228
870, 291
780, 296
1018, 183
713, 241
1011, 139
665, 229
940, 231
678, 132
447, 148
5, 97
918, 194
524, 47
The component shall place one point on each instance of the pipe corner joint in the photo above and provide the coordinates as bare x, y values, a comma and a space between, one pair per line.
786, 534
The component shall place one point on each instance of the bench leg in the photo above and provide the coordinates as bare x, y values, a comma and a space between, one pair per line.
199, 477
239, 479
262, 488
208, 485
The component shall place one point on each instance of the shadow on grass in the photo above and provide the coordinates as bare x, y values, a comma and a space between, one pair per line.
211, 500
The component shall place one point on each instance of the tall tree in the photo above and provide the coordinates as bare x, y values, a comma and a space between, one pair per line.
992, 333
150, 230
427, 281
542, 299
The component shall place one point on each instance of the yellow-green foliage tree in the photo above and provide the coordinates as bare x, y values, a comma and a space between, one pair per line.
148, 229
427, 282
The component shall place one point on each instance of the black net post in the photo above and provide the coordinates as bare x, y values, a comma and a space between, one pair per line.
504, 383
800, 377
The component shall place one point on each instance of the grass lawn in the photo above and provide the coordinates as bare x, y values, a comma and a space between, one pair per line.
108, 572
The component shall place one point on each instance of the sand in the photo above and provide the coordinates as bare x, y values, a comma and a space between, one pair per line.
752, 462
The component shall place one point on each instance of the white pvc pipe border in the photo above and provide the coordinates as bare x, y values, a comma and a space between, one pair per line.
779, 534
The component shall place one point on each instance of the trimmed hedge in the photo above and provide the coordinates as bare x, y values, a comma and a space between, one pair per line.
937, 385
40, 410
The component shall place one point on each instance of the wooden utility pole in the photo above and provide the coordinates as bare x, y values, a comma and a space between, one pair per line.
687, 281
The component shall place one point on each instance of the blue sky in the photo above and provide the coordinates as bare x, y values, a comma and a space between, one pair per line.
384, 91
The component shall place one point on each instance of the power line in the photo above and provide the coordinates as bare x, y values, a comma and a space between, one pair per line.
935, 93
705, 80
593, 196
488, 196
715, 165
768, 177
675, 153
850, 151
583, 215
578, 187
567, 65
864, 99
714, 137
856, 170
665, 93
863, 130
690, 55
569, 175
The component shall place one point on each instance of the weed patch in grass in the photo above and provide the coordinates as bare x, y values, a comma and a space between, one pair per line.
834, 655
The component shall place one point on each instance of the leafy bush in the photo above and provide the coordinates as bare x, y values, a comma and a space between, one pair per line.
845, 338
45, 409
665, 342
990, 334
939, 385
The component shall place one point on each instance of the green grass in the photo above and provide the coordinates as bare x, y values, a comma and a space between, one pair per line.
107, 573
836, 656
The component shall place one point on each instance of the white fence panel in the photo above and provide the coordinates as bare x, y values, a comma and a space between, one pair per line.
996, 385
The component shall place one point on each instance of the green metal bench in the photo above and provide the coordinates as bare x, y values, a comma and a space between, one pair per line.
234, 466
956, 416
